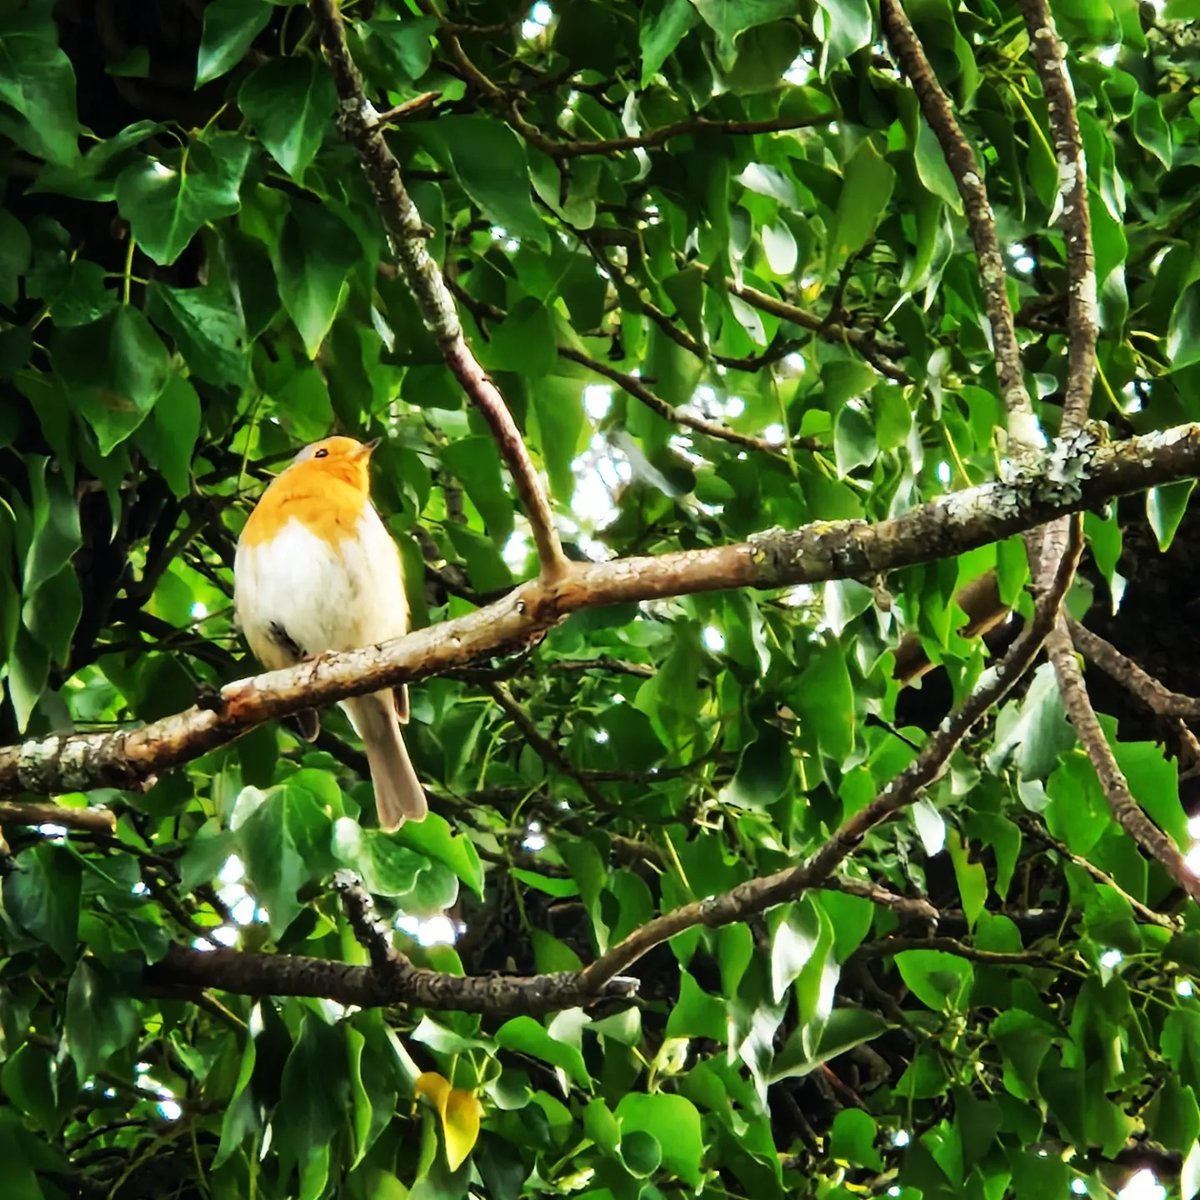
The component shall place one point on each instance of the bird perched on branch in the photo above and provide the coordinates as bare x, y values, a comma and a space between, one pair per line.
316, 570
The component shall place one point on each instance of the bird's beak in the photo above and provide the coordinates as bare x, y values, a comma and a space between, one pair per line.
368, 447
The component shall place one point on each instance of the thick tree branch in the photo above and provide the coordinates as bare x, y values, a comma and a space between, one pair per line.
1075, 474
395, 982
968, 176
361, 126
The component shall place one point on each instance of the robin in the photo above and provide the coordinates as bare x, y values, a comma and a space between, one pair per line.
316, 570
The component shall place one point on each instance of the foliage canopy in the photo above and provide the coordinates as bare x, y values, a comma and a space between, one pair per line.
714, 258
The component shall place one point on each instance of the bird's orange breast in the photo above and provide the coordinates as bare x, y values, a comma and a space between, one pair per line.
328, 506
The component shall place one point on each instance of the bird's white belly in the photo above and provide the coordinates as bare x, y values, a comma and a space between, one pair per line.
324, 596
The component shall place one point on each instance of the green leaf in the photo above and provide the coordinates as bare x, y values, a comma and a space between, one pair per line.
391, 869
561, 423
824, 699
941, 981
854, 442
852, 1139
1183, 332
663, 25
529, 1037
673, 1122
971, 877
241, 1116
696, 1013
28, 1081
476, 462
1151, 129
16, 252
406, 44
435, 838
524, 342
229, 28
38, 83
864, 197
290, 102
843, 26
284, 843
208, 329
488, 160
168, 200
55, 535
729, 18
845, 1029
1165, 507
315, 254
100, 1017
42, 897
314, 1094
793, 944
168, 438
114, 371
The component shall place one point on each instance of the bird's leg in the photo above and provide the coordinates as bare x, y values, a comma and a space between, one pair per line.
307, 720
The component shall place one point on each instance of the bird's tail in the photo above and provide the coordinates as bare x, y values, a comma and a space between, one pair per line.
398, 792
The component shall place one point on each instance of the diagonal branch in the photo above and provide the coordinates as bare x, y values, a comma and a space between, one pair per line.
968, 176
757, 895
361, 126
1125, 809
1049, 55
1077, 473
1155, 695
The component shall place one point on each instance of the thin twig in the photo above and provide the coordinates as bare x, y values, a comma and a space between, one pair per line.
360, 915
909, 906
678, 416
1049, 56
877, 352
885, 947
1100, 876
541, 745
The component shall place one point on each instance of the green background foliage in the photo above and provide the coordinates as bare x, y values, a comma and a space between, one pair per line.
194, 282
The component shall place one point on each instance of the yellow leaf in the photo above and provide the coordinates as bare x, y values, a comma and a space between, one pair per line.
459, 1110
433, 1085
460, 1120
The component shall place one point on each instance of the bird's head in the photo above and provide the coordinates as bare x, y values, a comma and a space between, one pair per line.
341, 457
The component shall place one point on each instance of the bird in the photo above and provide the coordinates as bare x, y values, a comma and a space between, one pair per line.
316, 571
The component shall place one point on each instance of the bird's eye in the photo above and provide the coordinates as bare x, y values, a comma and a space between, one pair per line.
322, 453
